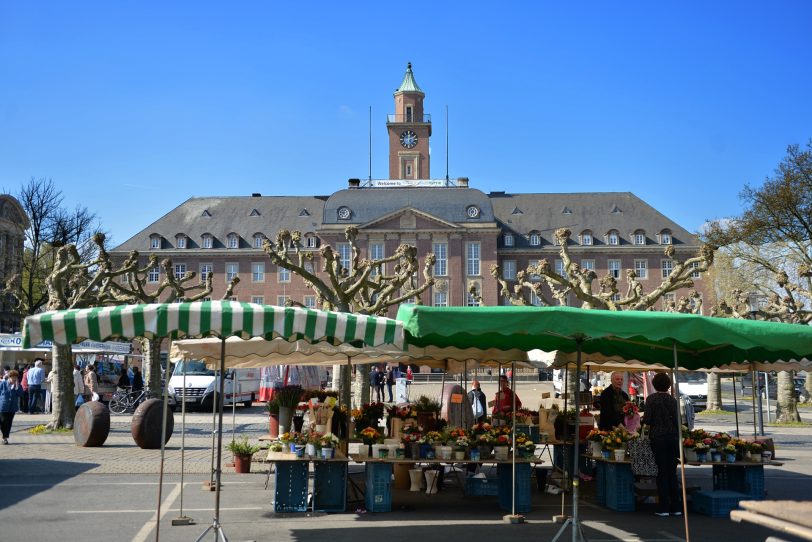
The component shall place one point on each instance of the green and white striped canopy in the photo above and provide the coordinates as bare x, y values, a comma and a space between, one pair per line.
211, 318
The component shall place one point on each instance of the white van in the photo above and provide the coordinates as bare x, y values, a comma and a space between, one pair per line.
694, 384
241, 385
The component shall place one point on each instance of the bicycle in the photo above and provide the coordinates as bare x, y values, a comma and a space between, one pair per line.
123, 400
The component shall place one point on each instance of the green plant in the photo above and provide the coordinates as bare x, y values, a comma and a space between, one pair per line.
241, 446
273, 407
275, 447
288, 396
424, 404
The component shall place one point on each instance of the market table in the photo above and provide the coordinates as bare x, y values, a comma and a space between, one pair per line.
378, 472
791, 517
291, 487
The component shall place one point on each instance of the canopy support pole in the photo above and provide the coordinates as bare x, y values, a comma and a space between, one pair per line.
681, 455
218, 406
348, 406
513, 437
182, 519
442, 385
753, 390
577, 531
735, 404
163, 450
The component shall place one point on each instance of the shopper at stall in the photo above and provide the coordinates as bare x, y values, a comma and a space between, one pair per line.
503, 401
478, 403
612, 400
10, 393
661, 417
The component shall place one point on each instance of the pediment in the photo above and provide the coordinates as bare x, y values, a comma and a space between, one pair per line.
408, 218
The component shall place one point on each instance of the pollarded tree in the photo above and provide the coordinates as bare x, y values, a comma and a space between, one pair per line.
771, 242
364, 287
542, 278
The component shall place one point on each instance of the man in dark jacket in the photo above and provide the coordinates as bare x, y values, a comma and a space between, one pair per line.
613, 398
376, 383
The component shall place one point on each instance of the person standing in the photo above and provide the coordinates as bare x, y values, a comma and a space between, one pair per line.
478, 403
390, 380
49, 390
503, 402
35, 378
662, 419
613, 399
137, 380
91, 384
123, 379
78, 385
10, 393
376, 383
24, 385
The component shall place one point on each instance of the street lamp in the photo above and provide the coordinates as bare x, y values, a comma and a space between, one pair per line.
754, 304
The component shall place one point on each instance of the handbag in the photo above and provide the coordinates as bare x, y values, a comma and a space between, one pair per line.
643, 463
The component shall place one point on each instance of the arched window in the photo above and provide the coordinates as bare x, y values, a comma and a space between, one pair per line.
154, 242
586, 237
508, 239
613, 237
258, 240
233, 240
207, 241
535, 238
311, 241
665, 237
180, 241
639, 237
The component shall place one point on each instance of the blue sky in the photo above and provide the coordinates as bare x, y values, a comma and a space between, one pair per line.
131, 108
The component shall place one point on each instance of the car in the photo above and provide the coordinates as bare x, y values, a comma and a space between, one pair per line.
694, 384
799, 382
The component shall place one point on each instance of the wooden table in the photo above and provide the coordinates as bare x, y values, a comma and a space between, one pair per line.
791, 517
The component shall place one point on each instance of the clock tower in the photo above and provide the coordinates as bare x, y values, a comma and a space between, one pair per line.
409, 131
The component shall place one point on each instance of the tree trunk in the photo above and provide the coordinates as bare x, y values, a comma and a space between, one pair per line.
151, 365
808, 386
787, 407
361, 388
63, 401
714, 392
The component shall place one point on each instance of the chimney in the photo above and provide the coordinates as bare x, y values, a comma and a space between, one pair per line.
462, 182
354, 183
256, 195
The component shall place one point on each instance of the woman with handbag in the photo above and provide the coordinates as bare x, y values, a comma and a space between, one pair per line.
661, 418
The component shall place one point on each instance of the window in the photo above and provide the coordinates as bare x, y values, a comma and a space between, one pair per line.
615, 297
409, 113
310, 241
472, 258
181, 241
534, 299
559, 268
695, 274
376, 253
232, 270
180, 270
639, 237
669, 299
614, 268
284, 275
586, 238
614, 238
509, 269
154, 274
154, 242
408, 169
233, 298
535, 239
308, 265
470, 301
533, 263
258, 240
205, 271
207, 241
282, 300
344, 254
258, 299
667, 266
641, 268
440, 299
588, 264
310, 301
258, 272
233, 240
180, 300
441, 259
665, 237
508, 239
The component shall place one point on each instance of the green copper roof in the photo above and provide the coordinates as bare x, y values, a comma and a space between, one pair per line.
409, 84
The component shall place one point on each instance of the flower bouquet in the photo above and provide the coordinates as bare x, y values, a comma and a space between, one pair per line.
689, 449
730, 453
701, 451
755, 449
370, 436
631, 416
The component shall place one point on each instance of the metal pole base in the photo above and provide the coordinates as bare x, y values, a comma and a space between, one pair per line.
208, 485
217, 529
183, 520
578, 533
513, 519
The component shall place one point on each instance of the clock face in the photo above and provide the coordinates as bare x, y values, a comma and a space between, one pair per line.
343, 213
408, 139
473, 211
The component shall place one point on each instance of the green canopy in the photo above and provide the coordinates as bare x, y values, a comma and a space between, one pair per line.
701, 342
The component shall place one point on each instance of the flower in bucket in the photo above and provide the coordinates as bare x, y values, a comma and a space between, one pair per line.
502, 439
755, 447
700, 447
432, 437
689, 443
484, 439
370, 435
630, 409
481, 428
462, 443
314, 438
400, 412
328, 440
730, 449
457, 433
596, 435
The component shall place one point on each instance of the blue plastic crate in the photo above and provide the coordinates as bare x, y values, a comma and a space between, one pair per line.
743, 479
290, 493
619, 488
378, 493
600, 483
504, 473
716, 504
330, 486
481, 487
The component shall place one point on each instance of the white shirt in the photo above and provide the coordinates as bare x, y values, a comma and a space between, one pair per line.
78, 383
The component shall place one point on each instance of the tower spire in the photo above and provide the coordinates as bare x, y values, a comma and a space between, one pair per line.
409, 84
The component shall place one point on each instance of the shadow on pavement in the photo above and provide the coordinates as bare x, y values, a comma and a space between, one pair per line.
17, 483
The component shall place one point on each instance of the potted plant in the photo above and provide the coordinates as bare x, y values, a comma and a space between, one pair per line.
755, 449
701, 450
273, 417
689, 449
427, 410
243, 451
288, 398
328, 443
370, 436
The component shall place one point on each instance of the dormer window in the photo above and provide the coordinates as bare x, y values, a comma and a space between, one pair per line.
180, 241
535, 239
665, 237
310, 241
155, 242
639, 237
613, 237
207, 241
586, 237
233, 240
258, 240
508, 239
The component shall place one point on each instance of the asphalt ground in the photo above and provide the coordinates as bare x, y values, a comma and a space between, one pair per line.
51, 489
